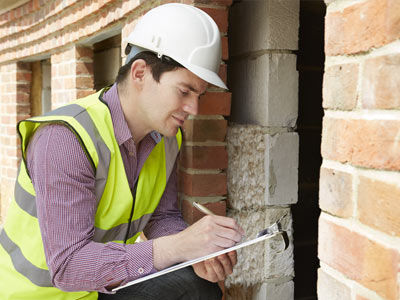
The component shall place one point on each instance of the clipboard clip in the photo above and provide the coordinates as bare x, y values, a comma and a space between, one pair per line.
275, 229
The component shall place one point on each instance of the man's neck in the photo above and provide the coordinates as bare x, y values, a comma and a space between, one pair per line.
131, 113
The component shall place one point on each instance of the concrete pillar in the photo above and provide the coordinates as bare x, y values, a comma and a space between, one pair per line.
262, 142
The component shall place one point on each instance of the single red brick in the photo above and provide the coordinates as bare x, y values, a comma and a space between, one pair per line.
367, 143
225, 48
84, 82
215, 103
378, 205
36, 4
23, 109
359, 258
381, 82
361, 26
23, 97
83, 93
340, 87
205, 130
24, 88
219, 15
12, 172
23, 66
192, 214
24, 76
85, 68
204, 157
83, 52
223, 72
335, 192
18, 12
203, 185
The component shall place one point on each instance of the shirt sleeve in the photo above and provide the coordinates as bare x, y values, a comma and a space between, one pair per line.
167, 218
64, 183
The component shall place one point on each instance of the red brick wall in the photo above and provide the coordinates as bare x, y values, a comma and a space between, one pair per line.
71, 75
14, 106
359, 228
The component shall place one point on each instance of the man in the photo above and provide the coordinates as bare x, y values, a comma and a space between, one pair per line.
99, 171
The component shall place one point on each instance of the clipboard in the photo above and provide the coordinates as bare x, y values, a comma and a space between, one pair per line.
271, 231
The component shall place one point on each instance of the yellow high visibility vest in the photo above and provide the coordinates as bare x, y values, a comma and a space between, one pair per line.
23, 270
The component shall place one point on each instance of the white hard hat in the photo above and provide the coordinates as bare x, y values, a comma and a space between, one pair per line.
184, 33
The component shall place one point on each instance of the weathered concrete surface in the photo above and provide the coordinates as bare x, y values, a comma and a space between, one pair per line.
262, 261
263, 167
261, 291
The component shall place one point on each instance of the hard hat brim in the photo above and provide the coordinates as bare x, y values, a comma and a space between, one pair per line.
204, 74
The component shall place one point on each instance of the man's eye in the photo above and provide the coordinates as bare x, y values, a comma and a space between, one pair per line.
184, 93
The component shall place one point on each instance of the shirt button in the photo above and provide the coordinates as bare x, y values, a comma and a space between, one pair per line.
131, 153
140, 270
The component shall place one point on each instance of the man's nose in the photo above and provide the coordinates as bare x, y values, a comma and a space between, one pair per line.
191, 106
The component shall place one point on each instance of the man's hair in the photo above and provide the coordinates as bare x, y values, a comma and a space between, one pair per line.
158, 65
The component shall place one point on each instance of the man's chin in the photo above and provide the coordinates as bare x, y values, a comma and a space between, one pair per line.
169, 132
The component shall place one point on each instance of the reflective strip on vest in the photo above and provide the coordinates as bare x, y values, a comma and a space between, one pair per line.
27, 201
82, 116
38, 276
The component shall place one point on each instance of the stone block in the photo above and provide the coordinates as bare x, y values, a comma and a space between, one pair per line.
262, 167
261, 291
281, 166
265, 90
264, 260
258, 25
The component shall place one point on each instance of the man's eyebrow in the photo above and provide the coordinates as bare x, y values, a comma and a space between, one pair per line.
191, 88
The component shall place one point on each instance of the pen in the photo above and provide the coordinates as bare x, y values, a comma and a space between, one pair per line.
203, 209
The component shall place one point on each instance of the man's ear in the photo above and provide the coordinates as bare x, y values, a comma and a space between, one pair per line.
138, 71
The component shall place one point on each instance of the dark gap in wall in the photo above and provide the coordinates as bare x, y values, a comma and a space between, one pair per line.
40, 93
106, 61
310, 65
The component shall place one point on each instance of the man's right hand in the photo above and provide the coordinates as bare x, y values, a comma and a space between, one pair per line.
208, 235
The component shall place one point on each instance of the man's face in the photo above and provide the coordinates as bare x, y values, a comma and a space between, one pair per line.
168, 103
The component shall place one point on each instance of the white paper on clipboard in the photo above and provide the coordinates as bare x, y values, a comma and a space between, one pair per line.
196, 260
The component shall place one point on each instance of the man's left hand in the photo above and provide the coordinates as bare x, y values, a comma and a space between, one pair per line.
216, 268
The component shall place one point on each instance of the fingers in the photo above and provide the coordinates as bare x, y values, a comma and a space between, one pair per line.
233, 257
223, 227
226, 263
228, 233
229, 223
215, 269
221, 266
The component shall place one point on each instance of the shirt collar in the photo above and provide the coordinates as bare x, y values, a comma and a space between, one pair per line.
121, 129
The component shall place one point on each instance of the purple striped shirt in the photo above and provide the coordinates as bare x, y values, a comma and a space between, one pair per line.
64, 182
